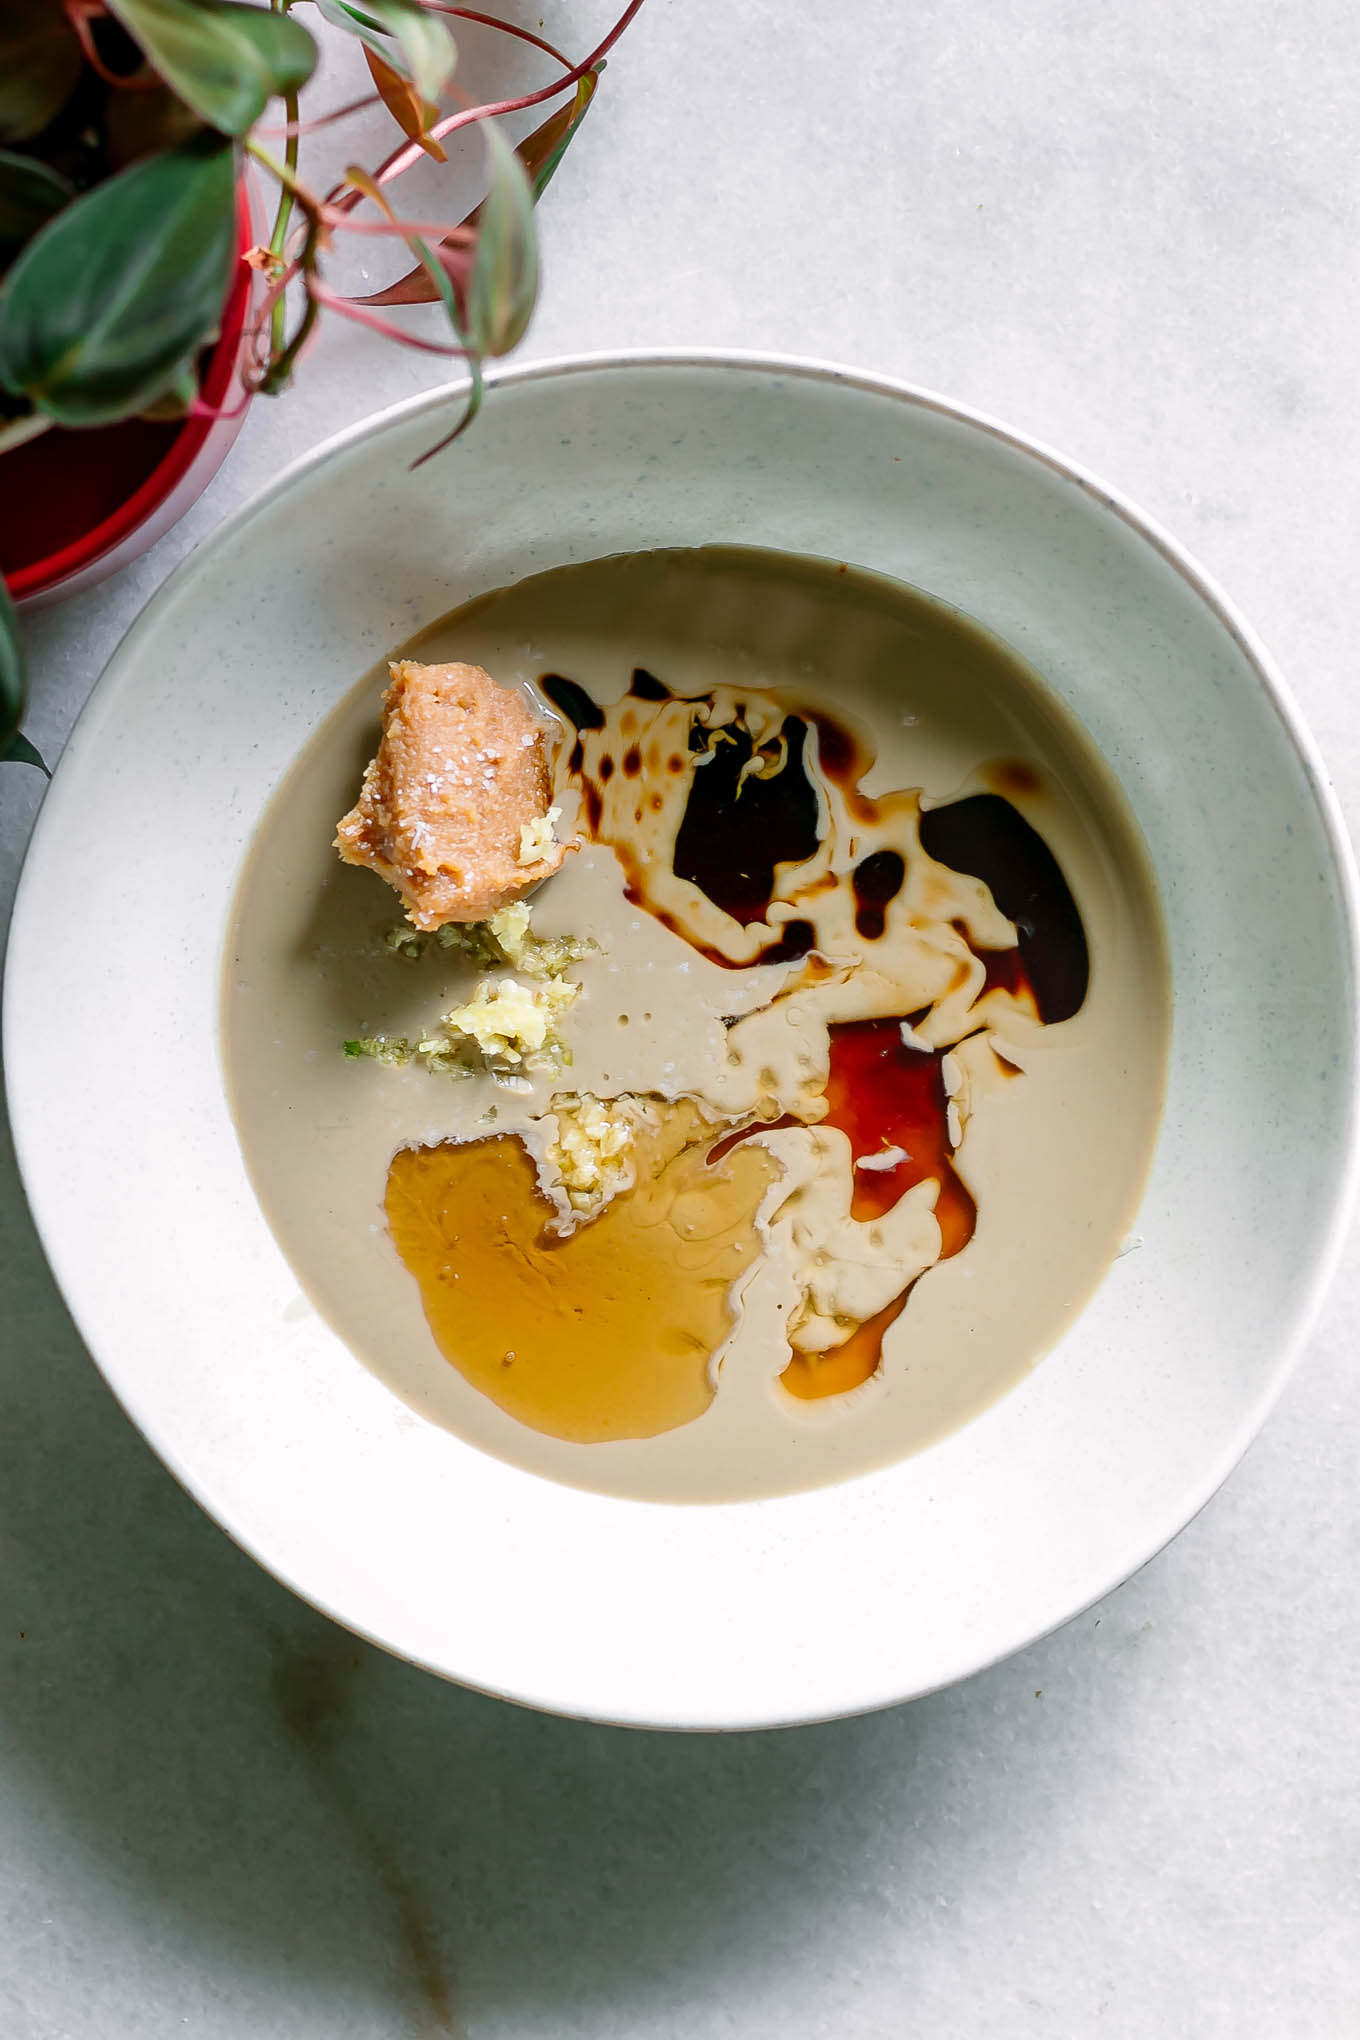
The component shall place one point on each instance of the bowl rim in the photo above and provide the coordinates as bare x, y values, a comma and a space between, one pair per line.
1202, 584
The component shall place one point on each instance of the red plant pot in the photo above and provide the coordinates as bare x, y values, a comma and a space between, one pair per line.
77, 505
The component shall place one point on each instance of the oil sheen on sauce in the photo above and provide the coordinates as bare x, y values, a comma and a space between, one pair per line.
551, 1327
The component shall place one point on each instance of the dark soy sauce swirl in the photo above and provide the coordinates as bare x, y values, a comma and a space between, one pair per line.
876, 881
735, 831
576, 705
583, 714
991, 840
739, 828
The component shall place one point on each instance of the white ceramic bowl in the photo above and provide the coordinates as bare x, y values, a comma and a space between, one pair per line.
722, 1617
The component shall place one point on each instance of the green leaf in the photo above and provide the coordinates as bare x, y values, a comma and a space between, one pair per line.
414, 116
424, 50
226, 61
177, 401
40, 62
139, 123
471, 407
543, 150
504, 280
30, 194
108, 305
12, 678
19, 751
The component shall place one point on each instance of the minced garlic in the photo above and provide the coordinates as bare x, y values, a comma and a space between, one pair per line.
511, 932
593, 1148
536, 838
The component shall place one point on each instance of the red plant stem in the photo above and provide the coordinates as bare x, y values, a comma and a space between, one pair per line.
272, 295
80, 13
506, 27
324, 295
257, 353
259, 344
270, 369
401, 159
454, 121
286, 129
275, 365
332, 216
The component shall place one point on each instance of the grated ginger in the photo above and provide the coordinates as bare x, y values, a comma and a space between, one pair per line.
507, 937
513, 1024
506, 1028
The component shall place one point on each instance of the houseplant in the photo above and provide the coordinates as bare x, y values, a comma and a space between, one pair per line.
126, 127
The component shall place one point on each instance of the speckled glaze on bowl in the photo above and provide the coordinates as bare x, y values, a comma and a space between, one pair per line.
733, 1616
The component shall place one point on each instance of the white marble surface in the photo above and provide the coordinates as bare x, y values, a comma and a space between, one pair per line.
1132, 231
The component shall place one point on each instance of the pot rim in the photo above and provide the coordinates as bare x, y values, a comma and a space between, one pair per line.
43, 575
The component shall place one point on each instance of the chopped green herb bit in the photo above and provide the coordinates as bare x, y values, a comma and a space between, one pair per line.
383, 1048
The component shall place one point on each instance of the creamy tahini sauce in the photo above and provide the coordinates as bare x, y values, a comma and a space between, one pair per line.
941, 778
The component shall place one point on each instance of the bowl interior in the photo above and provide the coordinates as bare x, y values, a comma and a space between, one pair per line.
781, 1610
